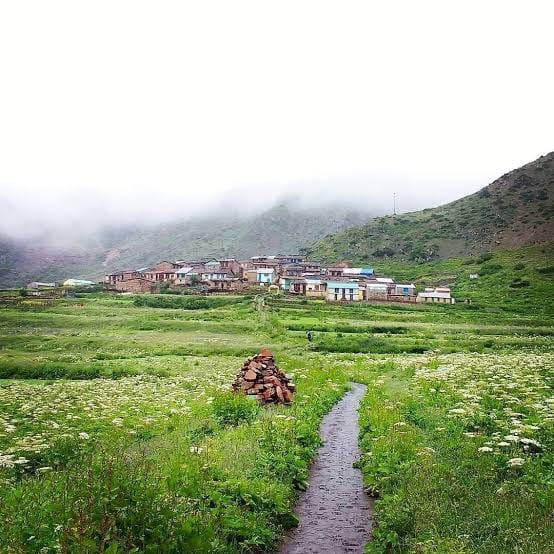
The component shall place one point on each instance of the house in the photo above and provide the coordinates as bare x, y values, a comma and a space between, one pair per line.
387, 281
251, 276
474, 275
78, 283
438, 294
315, 287
37, 285
296, 270
297, 285
376, 291
223, 285
265, 276
216, 274
311, 267
291, 259
162, 271
133, 284
266, 262
231, 265
404, 290
285, 281
187, 275
358, 272
336, 270
113, 278
343, 290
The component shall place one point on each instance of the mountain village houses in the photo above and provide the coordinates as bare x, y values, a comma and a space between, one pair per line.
291, 274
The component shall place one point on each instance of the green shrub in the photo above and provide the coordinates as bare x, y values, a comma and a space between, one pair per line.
518, 283
364, 343
484, 258
489, 269
184, 302
233, 408
519, 266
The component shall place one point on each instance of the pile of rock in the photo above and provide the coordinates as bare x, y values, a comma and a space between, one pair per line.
260, 378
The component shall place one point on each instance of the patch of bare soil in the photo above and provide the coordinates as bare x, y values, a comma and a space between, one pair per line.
335, 513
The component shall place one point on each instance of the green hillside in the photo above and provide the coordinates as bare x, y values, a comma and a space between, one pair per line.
517, 280
515, 210
282, 229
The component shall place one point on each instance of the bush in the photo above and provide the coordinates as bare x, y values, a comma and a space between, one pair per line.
361, 343
183, 302
519, 266
233, 408
548, 270
484, 258
518, 283
489, 269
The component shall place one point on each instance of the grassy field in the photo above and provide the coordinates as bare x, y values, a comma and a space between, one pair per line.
118, 432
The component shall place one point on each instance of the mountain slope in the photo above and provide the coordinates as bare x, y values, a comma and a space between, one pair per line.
282, 229
515, 210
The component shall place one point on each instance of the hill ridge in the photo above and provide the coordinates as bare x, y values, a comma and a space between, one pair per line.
515, 210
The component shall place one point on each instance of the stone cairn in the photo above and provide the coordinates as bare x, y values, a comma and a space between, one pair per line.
260, 378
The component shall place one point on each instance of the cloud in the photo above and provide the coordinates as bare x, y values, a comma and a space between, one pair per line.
117, 112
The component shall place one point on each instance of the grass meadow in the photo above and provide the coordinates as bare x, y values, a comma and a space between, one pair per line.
118, 432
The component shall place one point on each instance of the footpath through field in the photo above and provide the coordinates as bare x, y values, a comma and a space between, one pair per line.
335, 512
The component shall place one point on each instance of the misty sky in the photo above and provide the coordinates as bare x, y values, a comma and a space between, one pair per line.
122, 111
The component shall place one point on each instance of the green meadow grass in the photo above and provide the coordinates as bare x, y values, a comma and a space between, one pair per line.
118, 432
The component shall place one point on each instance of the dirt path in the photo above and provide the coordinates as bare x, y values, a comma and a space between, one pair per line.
335, 512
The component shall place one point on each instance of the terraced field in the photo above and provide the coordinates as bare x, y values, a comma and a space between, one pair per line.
118, 432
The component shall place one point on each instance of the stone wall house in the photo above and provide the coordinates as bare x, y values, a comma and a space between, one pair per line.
133, 284
162, 271
310, 267
376, 291
224, 285
315, 287
113, 278
289, 259
232, 265
294, 270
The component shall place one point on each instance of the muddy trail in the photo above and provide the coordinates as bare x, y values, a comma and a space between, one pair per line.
335, 512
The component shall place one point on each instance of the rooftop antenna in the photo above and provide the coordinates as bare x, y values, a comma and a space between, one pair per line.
394, 203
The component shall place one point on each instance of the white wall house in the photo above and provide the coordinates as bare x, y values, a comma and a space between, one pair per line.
438, 294
343, 290
265, 276
404, 289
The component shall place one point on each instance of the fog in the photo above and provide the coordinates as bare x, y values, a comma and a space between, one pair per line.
132, 112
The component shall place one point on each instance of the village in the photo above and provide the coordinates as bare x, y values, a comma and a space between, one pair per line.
291, 274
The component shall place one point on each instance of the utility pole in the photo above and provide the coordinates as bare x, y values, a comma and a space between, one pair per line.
394, 203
